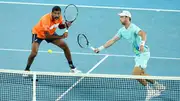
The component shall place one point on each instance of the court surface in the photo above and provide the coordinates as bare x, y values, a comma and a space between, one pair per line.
99, 22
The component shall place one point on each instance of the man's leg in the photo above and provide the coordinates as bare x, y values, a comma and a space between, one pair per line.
141, 63
34, 50
149, 80
139, 71
33, 54
65, 48
156, 85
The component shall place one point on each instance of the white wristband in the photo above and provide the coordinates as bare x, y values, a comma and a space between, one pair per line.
101, 48
66, 30
143, 43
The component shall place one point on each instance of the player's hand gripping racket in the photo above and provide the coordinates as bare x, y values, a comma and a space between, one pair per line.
70, 14
83, 42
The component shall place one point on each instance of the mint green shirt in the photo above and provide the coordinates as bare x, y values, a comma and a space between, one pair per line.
131, 34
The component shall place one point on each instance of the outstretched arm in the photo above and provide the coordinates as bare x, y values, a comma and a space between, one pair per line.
107, 44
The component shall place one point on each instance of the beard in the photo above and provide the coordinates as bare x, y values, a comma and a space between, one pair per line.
123, 23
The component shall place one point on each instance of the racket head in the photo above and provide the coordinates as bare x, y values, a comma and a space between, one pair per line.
70, 13
82, 41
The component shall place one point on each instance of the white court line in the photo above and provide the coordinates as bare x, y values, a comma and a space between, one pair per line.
78, 81
86, 6
92, 54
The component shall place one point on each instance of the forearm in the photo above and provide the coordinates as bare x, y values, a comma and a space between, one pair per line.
109, 43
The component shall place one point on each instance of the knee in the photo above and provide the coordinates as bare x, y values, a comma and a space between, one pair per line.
63, 46
138, 71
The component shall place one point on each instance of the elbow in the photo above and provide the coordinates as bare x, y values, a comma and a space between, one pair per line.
142, 34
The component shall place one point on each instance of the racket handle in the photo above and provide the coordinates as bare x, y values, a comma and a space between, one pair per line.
92, 48
66, 25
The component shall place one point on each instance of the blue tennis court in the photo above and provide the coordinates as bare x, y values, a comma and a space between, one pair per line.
99, 23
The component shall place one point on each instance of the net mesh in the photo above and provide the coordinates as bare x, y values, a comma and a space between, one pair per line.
91, 87
13, 87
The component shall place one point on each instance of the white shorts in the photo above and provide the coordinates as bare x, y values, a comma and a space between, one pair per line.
141, 60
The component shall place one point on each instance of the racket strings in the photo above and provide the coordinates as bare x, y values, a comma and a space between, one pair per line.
71, 13
82, 41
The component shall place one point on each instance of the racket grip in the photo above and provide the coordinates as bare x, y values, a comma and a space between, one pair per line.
66, 25
92, 48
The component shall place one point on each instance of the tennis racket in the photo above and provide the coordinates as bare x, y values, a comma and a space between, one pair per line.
83, 42
70, 14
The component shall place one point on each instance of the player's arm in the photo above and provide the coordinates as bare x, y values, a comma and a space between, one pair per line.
111, 42
143, 36
46, 28
107, 44
48, 36
63, 25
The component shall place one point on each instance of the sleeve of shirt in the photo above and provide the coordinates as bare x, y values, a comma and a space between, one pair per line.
45, 24
119, 34
137, 29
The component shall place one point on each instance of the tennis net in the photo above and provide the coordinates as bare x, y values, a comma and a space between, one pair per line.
51, 86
